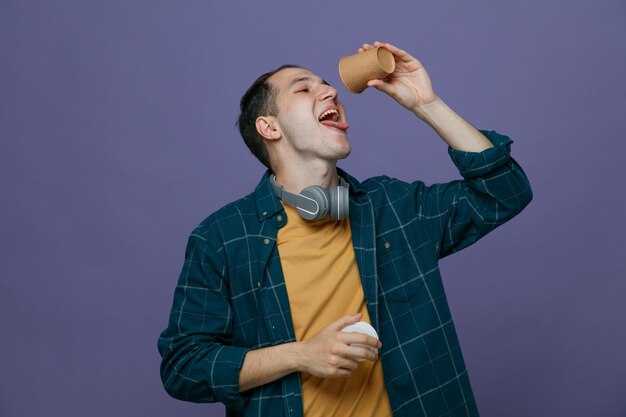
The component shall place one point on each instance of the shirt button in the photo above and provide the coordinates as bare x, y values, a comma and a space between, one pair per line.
266, 242
265, 213
280, 218
387, 245
258, 284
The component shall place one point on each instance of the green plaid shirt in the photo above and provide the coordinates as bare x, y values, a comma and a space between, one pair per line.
231, 294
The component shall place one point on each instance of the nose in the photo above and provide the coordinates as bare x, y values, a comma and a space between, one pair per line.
328, 92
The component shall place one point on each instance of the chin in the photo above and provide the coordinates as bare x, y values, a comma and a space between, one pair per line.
339, 147
345, 153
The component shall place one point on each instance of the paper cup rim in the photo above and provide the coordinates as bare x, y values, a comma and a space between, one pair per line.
344, 81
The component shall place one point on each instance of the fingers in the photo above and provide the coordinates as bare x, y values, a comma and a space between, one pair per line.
344, 370
397, 52
363, 339
341, 373
361, 352
345, 321
383, 86
333, 353
343, 363
365, 47
360, 346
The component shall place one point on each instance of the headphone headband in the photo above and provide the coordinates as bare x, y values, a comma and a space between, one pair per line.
315, 202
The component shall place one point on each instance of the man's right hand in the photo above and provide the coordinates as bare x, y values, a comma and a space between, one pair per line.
329, 353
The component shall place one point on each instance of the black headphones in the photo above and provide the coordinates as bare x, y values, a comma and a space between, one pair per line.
316, 202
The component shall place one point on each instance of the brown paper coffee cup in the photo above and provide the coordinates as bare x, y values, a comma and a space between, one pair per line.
356, 70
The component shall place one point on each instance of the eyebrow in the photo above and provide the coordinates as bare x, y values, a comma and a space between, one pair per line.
306, 79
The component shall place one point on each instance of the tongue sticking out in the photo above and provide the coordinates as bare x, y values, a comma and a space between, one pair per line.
336, 125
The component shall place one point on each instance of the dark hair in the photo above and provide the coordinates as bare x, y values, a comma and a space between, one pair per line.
259, 100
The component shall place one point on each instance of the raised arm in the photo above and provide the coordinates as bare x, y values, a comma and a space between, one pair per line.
411, 87
494, 187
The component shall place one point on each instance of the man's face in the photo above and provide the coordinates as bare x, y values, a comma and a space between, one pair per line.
311, 118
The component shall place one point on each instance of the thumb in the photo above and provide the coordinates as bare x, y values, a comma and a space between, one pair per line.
383, 86
345, 321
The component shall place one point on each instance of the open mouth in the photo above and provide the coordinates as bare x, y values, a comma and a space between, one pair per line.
330, 118
331, 114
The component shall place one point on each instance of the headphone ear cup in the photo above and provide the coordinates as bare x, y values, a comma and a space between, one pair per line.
321, 197
339, 203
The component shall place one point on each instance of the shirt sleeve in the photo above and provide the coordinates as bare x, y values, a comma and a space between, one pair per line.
199, 362
493, 190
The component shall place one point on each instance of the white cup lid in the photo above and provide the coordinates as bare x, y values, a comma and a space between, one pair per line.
361, 327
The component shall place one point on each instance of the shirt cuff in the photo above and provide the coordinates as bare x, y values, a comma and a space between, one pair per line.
478, 164
224, 376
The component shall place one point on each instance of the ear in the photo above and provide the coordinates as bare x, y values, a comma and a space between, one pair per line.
268, 127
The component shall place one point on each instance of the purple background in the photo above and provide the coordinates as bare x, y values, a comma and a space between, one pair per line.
117, 137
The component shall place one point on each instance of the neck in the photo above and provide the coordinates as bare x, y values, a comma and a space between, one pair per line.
295, 179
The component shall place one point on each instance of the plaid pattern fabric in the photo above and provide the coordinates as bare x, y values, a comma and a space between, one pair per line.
231, 295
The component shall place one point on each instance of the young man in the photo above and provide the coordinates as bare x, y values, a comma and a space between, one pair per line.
264, 293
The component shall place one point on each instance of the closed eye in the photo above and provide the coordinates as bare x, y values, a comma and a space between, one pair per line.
304, 90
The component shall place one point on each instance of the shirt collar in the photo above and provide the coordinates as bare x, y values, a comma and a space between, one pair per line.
355, 186
267, 203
